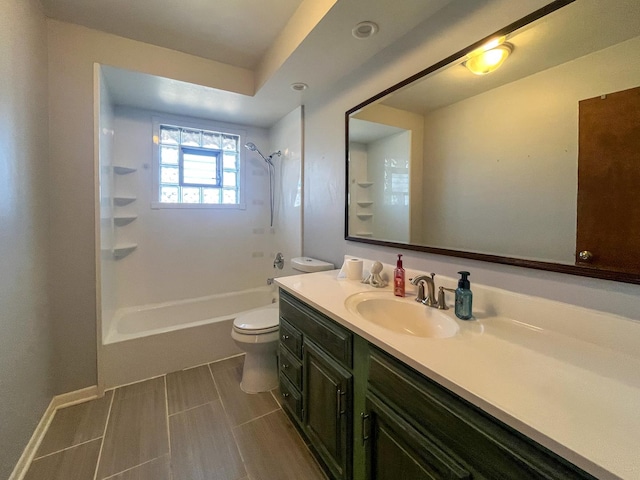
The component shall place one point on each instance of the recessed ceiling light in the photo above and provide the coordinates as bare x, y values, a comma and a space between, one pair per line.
364, 30
489, 60
299, 86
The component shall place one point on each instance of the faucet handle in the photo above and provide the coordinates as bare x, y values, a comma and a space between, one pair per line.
442, 304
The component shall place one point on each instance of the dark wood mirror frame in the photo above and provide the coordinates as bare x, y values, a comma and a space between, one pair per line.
580, 270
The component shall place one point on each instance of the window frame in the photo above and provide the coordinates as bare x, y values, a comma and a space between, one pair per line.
196, 124
208, 152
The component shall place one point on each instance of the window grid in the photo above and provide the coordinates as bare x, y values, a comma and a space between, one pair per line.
172, 139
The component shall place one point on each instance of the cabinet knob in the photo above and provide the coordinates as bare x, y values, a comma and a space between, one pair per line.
285, 337
285, 366
285, 394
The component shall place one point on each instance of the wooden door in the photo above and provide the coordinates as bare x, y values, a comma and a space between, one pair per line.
609, 181
328, 409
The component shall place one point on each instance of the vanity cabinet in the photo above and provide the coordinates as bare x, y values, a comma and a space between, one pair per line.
409, 427
316, 382
415, 423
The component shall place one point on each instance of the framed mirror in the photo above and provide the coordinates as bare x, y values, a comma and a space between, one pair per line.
534, 164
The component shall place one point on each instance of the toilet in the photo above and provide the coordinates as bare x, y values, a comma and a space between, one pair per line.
256, 333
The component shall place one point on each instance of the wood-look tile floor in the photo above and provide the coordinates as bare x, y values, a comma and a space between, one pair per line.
195, 424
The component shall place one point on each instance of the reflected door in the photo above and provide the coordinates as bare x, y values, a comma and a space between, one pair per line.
609, 181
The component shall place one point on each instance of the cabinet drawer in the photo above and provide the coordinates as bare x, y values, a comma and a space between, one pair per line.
290, 367
291, 338
490, 448
290, 398
333, 338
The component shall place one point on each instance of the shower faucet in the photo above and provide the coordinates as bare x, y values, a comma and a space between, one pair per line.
279, 261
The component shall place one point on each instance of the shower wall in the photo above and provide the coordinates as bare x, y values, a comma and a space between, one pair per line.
105, 136
186, 253
286, 136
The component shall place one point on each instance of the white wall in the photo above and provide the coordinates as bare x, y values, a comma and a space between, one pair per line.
187, 253
478, 185
452, 29
26, 367
72, 52
390, 222
105, 134
286, 135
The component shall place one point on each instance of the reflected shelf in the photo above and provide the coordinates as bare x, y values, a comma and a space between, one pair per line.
365, 203
365, 184
121, 201
120, 170
122, 220
364, 216
121, 251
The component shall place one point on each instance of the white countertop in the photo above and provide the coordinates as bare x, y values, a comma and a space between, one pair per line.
578, 395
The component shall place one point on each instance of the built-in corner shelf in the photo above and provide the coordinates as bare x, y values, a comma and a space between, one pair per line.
364, 216
364, 234
122, 201
119, 170
121, 220
365, 184
365, 203
121, 251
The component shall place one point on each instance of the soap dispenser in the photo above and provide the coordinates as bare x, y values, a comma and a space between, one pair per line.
398, 278
464, 297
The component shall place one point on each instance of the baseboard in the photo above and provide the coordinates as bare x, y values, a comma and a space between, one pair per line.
59, 401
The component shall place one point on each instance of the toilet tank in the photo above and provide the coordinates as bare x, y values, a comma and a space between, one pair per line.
309, 265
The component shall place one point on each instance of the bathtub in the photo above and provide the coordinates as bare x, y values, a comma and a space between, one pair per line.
150, 340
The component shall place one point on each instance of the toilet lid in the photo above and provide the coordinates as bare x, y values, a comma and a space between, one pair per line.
262, 320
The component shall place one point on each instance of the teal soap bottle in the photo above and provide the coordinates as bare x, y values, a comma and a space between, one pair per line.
464, 297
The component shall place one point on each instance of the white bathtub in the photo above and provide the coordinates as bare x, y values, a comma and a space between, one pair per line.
151, 340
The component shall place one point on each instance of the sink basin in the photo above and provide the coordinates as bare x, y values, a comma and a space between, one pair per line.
401, 315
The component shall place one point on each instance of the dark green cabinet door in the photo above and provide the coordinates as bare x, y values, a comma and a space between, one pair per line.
327, 409
396, 451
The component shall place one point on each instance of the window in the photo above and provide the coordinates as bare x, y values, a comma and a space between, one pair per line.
197, 167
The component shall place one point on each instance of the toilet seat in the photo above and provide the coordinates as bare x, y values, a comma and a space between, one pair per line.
257, 322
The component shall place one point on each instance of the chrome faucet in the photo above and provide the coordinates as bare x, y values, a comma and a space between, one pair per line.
429, 299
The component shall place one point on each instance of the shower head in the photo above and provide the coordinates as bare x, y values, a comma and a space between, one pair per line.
252, 146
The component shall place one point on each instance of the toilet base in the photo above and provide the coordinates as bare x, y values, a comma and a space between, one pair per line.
260, 372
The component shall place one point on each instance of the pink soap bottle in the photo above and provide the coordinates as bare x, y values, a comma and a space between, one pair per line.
398, 278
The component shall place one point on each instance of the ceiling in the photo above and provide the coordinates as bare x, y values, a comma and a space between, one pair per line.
573, 31
247, 34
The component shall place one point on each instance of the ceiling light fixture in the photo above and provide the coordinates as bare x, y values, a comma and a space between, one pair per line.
364, 30
489, 57
299, 86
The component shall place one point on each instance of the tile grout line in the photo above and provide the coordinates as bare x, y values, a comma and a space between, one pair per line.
228, 420
166, 410
193, 408
66, 448
257, 418
104, 434
131, 468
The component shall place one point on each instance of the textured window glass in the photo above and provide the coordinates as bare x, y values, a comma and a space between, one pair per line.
229, 196
169, 194
169, 135
199, 169
229, 179
229, 161
210, 195
168, 155
191, 137
190, 195
202, 151
169, 175
230, 143
211, 140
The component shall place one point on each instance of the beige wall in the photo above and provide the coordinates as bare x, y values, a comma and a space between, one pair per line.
72, 53
25, 347
486, 166
453, 28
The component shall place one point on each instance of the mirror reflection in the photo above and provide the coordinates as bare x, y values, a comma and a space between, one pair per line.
538, 159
